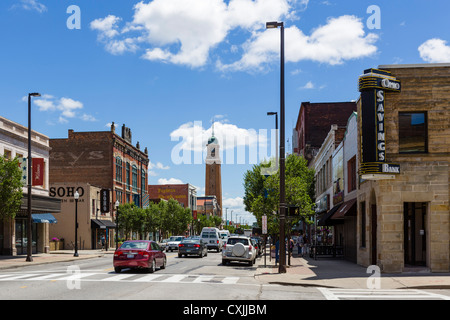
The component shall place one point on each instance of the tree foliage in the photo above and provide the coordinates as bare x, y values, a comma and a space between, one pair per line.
166, 217
262, 193
10, 187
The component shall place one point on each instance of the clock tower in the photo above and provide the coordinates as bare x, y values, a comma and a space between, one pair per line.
213, 181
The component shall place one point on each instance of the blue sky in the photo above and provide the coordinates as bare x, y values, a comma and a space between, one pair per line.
166, 68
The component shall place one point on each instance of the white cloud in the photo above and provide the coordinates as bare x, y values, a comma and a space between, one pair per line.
185, 32
435, 51
239, 214
30, 5
309, 85
108, 29
341, 39
170, 181
195, 136
66, 107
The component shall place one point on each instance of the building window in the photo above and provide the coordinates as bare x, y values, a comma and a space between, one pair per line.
351, 171
363, 224
413, 136
143, 180
119, 169
128, 175
135, 178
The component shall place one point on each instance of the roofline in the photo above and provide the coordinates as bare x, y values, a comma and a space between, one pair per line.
419, 65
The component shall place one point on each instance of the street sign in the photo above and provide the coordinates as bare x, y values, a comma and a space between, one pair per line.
264, 224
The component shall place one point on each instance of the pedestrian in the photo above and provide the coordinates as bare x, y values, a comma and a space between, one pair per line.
103, 241
301, 244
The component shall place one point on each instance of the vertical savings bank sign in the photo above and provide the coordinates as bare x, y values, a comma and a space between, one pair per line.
373, 84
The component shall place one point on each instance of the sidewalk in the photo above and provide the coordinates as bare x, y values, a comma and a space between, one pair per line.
7, 262
339, 273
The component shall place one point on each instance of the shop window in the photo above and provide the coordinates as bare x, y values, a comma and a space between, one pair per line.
413, 135
351, 170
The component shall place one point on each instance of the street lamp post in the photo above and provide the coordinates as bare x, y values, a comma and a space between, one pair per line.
282, 265
116, 205
76, 196
30, 221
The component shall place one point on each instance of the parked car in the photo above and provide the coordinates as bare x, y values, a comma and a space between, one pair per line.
173, 243
141, 254
240, 249
259, 245
212, 238
192, 247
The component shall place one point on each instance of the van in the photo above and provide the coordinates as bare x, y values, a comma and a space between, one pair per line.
211, 236
224, 235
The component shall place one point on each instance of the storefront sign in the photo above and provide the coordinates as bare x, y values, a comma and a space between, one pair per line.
104, 200
63, 192
373, 84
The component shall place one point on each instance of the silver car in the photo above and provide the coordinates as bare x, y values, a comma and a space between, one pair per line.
239, 249
173, 243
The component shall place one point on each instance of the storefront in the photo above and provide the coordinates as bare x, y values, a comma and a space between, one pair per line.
403, 197
96, 224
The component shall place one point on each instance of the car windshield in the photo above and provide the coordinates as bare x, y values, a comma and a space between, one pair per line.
176, 238
134, 245
233, 241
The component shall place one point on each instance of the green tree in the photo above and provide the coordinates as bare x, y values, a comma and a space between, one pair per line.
262, 194
10, 187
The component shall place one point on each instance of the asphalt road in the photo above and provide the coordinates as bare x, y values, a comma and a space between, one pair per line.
187, 278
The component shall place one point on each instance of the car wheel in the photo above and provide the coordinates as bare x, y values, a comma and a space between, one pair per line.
164, 263
180, 255
117, 269
152, 267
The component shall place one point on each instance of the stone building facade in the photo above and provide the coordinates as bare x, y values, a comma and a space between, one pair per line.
403, 204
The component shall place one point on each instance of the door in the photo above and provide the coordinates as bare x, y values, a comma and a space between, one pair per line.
374, 233
415, 233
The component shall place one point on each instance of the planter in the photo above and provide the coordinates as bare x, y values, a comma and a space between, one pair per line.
56, 245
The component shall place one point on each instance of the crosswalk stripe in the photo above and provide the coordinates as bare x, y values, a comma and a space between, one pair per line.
175, 278
202, 279
230, 280
118, 277
18, 276
148, 278
338, 294
127, 277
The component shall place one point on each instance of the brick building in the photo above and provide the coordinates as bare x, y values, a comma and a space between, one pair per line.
403, 200
185, 194
314, 122
102, 159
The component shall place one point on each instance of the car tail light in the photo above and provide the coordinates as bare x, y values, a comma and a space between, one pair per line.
144, 254
117, 253
250, 247
217, 241
197, 245
181, 245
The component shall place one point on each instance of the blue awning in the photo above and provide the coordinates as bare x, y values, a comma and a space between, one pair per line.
43, 218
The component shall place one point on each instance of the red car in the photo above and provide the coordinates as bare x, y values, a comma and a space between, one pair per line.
142, 254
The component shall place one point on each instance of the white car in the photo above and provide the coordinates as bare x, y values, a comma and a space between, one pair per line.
239, 248
173, 243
